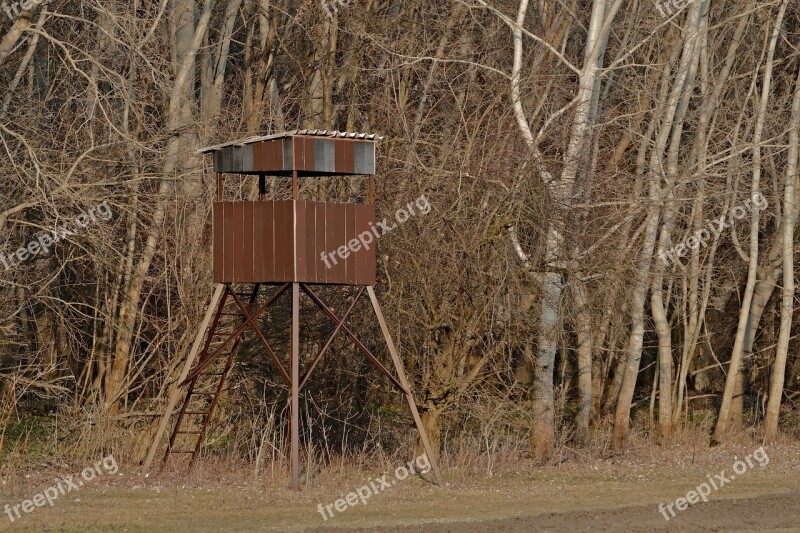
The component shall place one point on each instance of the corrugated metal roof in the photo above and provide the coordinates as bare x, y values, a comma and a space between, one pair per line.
295, 133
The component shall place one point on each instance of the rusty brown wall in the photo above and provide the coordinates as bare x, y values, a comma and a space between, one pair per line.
257, 242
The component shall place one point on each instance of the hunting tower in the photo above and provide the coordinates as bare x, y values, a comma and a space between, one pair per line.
268, 247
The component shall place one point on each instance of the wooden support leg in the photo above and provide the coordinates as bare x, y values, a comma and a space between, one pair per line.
401, 374
177, 392
295, 428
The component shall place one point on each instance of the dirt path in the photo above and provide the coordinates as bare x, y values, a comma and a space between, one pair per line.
620, 493
780, 512
559, 503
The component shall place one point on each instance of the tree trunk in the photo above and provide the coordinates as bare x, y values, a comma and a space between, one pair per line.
180, 100
671, 116
634, 352
430, 421
730, 411
543, 426
787, 300
585, 340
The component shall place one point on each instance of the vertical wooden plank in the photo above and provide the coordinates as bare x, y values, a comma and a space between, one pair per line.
330, 165
338, 155
360, 166
358, 256
226, 159
288, 153
309, 160
227, 249
300, 156
313, 261
247, 158
323, 155
259, 242
371, 161
284, 241
258, 157
238, 241
349, 157
248, 242
269, 240
218, 241
331, 242
320, 241
346, 261
277, 146
237, 158
344, 156
275, 155
363, 252
301, 258
372, 256
335, 214
269, 155
352, 259
280, 241
298, 153
289, 258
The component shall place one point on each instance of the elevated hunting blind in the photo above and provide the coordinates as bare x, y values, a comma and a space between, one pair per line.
268, 247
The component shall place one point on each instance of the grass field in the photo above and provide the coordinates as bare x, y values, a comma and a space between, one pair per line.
614, 493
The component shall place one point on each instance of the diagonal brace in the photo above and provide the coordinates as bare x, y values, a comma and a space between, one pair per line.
263, 340
330, 339
398, 365
204, 364
358, 343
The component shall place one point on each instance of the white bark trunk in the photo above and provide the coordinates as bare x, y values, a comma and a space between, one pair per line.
730, 418
787, 300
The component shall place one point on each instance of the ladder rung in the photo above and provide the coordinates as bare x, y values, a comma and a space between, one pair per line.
188, 432
212, 374
182, 451
202, 393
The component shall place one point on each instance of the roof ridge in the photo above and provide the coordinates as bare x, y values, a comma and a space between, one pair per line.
295, 133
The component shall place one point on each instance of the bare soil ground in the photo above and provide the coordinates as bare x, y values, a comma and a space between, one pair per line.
614, 493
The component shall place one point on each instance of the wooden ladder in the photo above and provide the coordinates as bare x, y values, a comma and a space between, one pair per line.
204, 388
